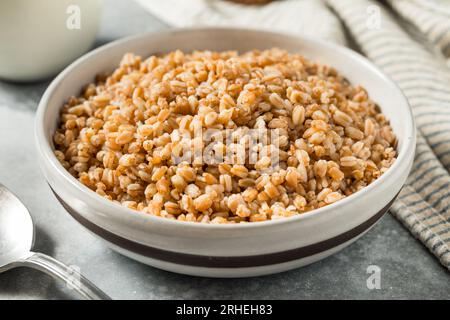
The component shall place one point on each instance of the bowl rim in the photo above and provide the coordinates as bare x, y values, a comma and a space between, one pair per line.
46, 152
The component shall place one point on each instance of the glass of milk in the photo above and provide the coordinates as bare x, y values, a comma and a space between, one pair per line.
38, 38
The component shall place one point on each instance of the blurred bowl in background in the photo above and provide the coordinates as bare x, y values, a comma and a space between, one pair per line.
39, 38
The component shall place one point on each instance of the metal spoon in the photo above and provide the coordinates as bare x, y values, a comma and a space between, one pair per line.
16, 241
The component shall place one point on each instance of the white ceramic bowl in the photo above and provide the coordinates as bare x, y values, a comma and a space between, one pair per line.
227, 250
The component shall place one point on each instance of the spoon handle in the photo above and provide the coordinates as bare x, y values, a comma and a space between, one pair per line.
71, 276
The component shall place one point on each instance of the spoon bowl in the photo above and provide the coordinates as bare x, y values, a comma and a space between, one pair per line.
16, 242
16, 229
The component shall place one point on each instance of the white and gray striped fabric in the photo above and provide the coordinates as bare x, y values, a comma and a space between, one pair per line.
410, 41
307, 17
432, 21
424, 203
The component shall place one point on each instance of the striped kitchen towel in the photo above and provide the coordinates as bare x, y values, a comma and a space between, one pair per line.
430, 19
306, 17
410, 41
424, 203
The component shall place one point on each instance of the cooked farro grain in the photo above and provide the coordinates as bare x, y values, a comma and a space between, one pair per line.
122, 136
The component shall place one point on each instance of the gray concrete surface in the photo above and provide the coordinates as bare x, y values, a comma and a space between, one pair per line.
408, 270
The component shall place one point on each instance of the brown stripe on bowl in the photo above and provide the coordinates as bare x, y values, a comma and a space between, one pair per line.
225, 261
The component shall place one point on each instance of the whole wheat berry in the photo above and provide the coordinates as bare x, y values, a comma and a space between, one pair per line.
132, 137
